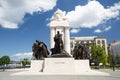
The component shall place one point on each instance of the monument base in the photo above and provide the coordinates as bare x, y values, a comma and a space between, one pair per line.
36, 65
82, 65
59, 65
60, 56
63, 54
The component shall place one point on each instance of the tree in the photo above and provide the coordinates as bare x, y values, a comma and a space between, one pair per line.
0, 62
103, 55
4, 60
98, 54
25, 62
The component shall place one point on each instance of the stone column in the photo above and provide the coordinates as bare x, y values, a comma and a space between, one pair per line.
67, 39
106, 47
52, 34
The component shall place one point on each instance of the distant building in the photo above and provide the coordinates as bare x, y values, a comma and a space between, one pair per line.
114, 47
90, 39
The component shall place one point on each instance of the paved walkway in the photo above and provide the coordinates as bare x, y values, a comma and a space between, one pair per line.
114, 75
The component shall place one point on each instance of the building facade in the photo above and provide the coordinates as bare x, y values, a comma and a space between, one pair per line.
114, 48
89, 40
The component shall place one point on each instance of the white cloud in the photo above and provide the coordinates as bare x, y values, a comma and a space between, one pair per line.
105, 29
108, 28
12, 12
92, 14
19, 56
74, 30
97, 31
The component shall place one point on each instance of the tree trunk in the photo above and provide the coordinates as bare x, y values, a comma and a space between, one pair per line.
3, 67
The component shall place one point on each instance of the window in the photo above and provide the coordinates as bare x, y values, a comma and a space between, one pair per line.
98, 41
103, 41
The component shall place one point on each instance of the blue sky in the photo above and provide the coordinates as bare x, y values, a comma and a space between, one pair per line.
22, 22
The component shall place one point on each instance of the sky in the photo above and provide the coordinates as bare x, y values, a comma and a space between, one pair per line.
24, 21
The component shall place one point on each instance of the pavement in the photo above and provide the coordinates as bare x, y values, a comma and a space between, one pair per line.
8, 75
82, 72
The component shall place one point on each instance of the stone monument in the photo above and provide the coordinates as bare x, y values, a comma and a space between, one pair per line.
60, 45
60, 23
60, 41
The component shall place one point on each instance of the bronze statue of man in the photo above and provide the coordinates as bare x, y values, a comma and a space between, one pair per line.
58, 43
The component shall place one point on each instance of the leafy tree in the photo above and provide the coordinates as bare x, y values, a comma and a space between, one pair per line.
103, 55
0, 62
25, 62
4, 60
98, 54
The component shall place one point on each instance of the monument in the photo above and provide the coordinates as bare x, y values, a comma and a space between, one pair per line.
60, 47
45, 63
61, 24
59, 61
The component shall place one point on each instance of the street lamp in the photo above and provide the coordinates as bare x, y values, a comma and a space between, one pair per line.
113, 61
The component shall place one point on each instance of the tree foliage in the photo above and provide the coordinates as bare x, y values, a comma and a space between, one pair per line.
25, 62
4, 60
98, 54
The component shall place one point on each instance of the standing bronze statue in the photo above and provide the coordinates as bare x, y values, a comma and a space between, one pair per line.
40, 50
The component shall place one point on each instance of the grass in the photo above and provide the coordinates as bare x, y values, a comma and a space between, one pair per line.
105, 67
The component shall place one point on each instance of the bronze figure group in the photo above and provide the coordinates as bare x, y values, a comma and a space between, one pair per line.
40, 50
81, 51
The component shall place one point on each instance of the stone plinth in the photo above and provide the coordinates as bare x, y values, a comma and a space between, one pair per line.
82, 65
36, 65
59, 65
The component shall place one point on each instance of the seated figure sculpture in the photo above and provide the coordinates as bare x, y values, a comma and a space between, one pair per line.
58, 50
58, 43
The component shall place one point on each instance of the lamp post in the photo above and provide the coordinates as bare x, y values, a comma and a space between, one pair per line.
113, 61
